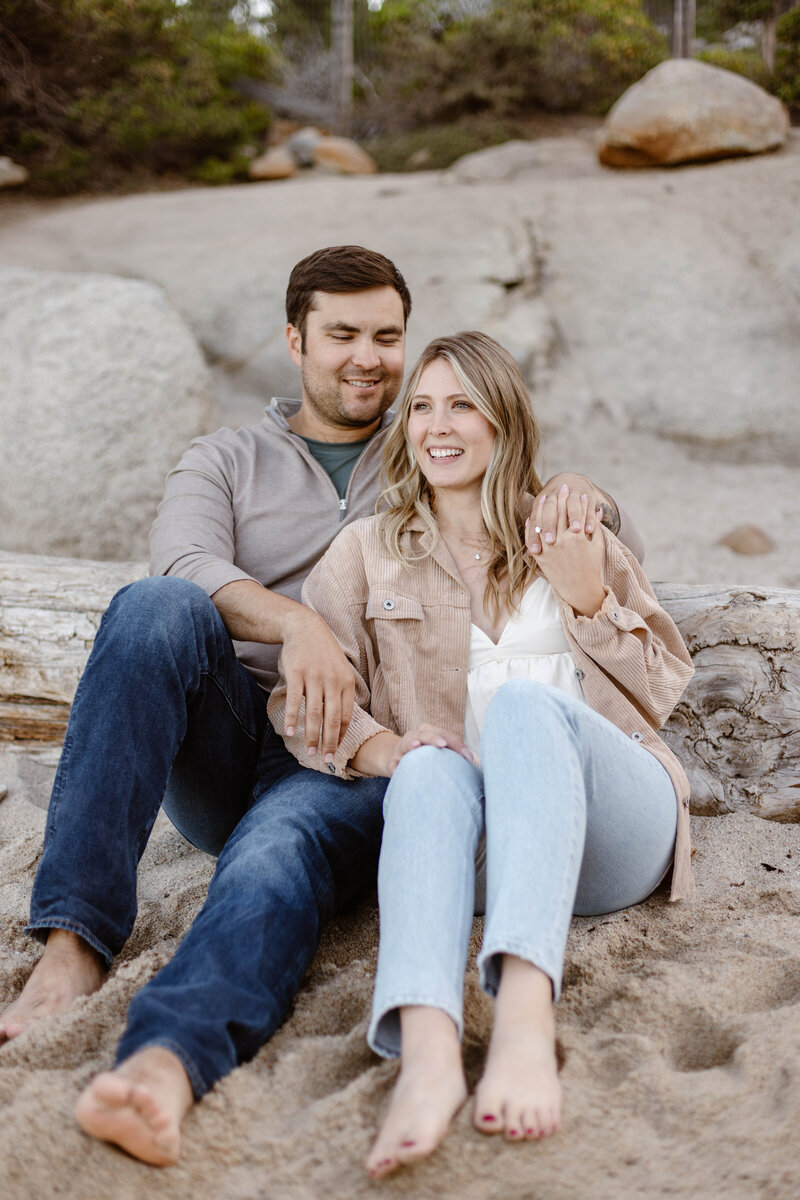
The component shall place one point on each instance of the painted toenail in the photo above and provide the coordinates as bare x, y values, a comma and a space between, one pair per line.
513, 1133
408, 1143
488, 1117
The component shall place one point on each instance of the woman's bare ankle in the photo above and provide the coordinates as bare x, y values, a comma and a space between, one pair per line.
428, 1093
520, 1093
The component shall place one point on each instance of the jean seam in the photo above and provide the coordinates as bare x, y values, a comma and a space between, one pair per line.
58, 785
223, 692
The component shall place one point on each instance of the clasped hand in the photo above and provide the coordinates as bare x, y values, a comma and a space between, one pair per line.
571, 560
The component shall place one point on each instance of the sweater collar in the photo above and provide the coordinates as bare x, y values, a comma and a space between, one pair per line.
281, 408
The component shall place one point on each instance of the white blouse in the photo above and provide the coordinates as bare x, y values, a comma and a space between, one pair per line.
533, 645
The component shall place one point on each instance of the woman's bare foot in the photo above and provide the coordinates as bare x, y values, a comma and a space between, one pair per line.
140, 1106
69, 968
429, 1091
520, 1093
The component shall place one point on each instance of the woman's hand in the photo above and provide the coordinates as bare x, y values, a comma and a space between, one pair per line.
572, 564
429, 735
380, 754
578, 486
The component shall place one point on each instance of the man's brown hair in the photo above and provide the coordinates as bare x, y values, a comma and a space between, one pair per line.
340, 269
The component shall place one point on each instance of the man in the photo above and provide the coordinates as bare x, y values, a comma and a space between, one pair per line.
172, 708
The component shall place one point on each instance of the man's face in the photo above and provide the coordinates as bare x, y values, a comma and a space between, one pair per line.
351, 358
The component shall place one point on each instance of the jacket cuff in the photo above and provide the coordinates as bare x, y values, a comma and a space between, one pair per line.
361, 728
602, 629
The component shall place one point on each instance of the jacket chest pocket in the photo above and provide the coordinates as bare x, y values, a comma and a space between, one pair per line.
397, 627
390, 607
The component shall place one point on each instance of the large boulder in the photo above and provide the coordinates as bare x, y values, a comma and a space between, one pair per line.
101, 388
687, 111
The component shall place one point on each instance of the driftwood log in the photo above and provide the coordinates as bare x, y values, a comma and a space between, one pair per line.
737, 728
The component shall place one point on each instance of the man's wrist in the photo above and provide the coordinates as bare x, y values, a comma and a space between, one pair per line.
292, 616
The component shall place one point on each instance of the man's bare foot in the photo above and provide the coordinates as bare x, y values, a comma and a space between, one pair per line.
140, 1106
69, 968
520, 1093
429, 1091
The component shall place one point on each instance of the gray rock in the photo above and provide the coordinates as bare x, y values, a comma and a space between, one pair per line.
512, 159
101, 388
688, 111
302, 145
677, 311
671, 302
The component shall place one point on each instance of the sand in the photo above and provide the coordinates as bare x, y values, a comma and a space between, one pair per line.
679, 1030
679, 1026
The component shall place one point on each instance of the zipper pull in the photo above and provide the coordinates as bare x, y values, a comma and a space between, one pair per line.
343, 505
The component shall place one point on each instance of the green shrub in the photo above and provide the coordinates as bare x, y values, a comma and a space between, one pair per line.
520, 55
787, 66
114, 92
742, 62
435, 147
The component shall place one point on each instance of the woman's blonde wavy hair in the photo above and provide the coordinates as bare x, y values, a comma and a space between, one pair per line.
491, 379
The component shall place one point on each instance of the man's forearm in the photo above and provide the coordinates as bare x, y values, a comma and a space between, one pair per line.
253, 613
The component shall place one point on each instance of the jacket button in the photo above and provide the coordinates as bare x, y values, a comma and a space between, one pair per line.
579, 674
636, 737
388, 605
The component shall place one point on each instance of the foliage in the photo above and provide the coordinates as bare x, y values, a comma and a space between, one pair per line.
749, 63
731, 12
437, 146
102, 92
517, 55
787, 66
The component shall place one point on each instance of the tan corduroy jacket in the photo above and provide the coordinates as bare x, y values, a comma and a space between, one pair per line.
406, 632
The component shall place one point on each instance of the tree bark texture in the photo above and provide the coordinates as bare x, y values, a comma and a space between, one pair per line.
736, 729
50, 609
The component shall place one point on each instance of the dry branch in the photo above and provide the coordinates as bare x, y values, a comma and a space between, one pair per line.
737, 729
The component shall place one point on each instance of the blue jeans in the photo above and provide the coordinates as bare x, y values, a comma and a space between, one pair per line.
577, 817
165, 712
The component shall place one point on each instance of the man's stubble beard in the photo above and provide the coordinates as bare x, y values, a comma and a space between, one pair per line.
327, 402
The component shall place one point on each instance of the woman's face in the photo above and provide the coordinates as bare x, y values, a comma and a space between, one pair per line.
451, 440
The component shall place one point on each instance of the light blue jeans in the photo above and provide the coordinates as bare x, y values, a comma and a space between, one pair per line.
578, 817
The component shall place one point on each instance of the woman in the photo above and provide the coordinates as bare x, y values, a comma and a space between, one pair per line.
512, 691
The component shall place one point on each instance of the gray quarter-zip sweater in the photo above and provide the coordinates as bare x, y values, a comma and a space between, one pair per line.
254, 504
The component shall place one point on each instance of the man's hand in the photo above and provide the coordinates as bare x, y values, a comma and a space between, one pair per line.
315, 668
545, 509
573, 562
380, 754
313, 663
